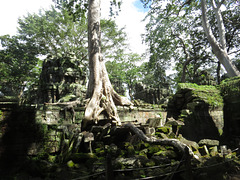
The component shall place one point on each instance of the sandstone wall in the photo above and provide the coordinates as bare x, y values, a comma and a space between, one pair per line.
230, 90
200, 108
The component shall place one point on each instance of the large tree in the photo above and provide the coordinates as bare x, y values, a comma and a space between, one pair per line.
101, 94
176, 14
102, 97
175, 37
219, 48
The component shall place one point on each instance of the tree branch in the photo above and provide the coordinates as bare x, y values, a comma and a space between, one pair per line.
188, 59
206, 26
221, 27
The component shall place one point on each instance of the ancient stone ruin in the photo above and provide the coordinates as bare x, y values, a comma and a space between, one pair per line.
62, 79
200, 108
45, 138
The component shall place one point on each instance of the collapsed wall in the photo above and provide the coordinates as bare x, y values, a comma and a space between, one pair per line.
53, 130
200, 108
230, 90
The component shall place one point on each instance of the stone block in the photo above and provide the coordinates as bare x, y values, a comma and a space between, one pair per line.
204, 150
155, 122
88, 136
208, 142
51, 117
149, 130
213, 150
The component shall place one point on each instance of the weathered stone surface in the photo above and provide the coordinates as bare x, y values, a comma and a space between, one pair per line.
149, 130
132, 162
173, 122
231, 93
191, 144
150, 94
155, 122
201, 110
208, 142
88, 136
141, 115
213, 151
61, 79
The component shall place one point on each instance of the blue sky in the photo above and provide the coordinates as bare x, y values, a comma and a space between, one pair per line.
139, 5
131, 16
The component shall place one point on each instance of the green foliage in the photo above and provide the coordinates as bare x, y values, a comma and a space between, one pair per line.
124, 71
78, 8
113, 40
55, 33
18, 65
164, 129
175, 35
208, 94
230, 86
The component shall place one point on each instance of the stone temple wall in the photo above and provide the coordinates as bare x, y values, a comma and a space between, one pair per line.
46, 128
200, 108
50, 127
230, 90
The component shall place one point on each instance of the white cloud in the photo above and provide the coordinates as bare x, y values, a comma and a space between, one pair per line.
11, 10
131, 18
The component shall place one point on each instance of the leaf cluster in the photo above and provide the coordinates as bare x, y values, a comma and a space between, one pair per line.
76, 8
54, 32
124, 72
18, 64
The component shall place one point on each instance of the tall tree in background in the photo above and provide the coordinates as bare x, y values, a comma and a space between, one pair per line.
219, 48
179, 18
124, 72
175, 37
55, 32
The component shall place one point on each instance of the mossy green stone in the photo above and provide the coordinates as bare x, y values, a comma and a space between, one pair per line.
70, 164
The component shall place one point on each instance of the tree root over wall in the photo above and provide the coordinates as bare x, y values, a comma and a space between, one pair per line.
183, 148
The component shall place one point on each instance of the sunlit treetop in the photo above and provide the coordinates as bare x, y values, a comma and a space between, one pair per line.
78, 8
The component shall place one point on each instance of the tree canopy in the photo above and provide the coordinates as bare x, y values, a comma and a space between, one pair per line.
19, 65
52, 32
175, 35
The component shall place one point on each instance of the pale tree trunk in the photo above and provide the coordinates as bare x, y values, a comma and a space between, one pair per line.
219, 49
102, 97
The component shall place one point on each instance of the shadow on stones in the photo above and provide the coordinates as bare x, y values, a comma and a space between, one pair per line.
19, 132
199, 125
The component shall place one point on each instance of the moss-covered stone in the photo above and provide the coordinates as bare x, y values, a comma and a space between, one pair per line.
70, 164
230, 89
209, 94
150, 163
166, 153
154, 149
230, 86
200, 107
81, 157
164, 129
143, 152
